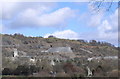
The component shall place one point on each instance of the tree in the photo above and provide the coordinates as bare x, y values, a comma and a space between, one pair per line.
51, 36
82, 41
93, 42
22, 70
99, 5
7, 71
33, 69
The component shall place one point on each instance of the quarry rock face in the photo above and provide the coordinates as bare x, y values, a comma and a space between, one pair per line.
60, 49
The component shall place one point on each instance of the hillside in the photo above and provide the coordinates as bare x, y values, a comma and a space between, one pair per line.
33, 45
21, 50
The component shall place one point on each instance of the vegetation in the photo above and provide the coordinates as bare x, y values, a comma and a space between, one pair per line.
71, 67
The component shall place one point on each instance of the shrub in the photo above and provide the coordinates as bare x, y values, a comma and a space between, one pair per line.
7, 71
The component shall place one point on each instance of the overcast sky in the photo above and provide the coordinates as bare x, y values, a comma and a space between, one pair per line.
61, 19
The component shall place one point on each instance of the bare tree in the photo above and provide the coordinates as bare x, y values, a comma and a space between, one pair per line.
99, 5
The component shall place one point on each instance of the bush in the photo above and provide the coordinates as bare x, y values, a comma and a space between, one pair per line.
22, 70
51, 36
7, 71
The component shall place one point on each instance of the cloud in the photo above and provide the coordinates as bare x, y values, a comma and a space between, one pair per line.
109, 27
1, 28
95, 19
34, 14
66, 34
56, 18
106, 27
12, 9
92, 19
8, 10
31, 17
